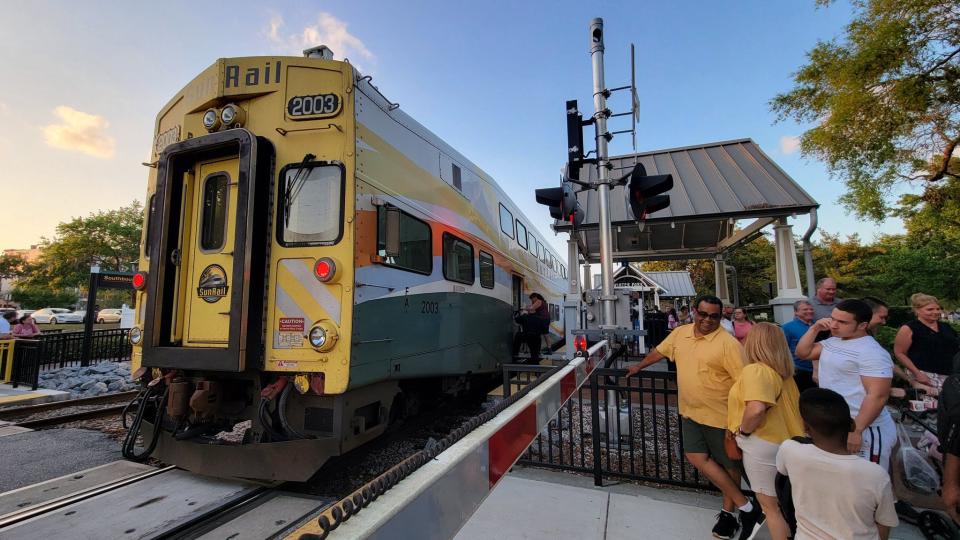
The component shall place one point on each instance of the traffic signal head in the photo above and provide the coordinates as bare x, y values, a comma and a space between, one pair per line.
574, 139
647, 194
562, 202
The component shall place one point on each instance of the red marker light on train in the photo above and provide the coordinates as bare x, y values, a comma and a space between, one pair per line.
325, 269
139, 280
580, 343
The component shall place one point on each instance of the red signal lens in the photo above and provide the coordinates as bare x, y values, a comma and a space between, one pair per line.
325, 269
139, 280
580, 343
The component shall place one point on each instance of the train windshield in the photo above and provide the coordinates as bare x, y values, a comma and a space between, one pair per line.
312, 205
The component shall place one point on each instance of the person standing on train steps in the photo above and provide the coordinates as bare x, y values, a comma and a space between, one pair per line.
709, 360
534, 322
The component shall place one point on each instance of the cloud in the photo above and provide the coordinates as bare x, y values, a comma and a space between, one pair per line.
4, 109
328, 30
80, 132
789, 144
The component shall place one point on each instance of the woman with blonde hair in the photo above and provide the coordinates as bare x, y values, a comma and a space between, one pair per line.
763, 411
926, 345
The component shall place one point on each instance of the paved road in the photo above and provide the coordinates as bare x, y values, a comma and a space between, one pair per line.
35, 456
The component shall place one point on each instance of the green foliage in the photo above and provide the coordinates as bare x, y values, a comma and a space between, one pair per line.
898, 316
13, 266
110, 239
884, 335
41, 297
884, 101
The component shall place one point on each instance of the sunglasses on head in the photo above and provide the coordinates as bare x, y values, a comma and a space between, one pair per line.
705, 315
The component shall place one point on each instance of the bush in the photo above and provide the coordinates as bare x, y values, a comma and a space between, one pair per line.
39, 298
899, 316
884, 336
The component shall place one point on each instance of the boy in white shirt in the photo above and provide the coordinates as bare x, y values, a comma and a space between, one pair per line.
836, 494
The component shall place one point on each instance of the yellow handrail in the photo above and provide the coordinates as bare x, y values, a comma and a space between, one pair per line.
6, 359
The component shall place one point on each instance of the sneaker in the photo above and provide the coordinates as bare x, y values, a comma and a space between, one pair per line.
726, 526
751, 522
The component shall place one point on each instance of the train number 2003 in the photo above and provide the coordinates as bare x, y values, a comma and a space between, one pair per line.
432, 308
318, 105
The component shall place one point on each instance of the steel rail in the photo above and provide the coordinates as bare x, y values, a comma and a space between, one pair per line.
26, 410
33, 511
72, 417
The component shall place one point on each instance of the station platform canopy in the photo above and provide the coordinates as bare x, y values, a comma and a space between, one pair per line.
715, 186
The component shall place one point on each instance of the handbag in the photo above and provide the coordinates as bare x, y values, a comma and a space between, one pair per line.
730, 446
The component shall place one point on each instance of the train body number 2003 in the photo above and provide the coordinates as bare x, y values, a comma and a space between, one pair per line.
432, 308
314, 106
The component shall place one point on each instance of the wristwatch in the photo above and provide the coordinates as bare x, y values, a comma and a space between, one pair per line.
741, 432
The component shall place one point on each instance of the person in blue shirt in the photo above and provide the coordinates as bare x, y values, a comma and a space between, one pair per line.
794, 330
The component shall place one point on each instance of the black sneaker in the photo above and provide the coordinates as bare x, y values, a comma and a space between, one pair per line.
726, 526
751, 522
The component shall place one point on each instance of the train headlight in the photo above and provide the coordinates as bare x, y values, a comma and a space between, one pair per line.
136, 335
211, 119
318, 337
232, 115
323, 336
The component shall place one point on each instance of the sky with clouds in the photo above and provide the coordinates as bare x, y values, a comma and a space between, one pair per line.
82, 84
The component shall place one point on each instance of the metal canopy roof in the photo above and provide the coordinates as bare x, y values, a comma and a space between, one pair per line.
675, 283
715, 185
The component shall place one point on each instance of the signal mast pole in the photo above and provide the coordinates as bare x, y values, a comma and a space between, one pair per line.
600, 115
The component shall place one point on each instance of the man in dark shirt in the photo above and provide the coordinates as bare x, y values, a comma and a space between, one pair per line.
825, 299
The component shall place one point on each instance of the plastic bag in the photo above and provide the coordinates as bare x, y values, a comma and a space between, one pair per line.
918, 473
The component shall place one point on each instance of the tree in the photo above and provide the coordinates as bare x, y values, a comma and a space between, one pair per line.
39, 297
13, 266
885, 101
110, 239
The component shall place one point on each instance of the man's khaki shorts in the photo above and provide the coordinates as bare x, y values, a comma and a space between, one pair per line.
701, 439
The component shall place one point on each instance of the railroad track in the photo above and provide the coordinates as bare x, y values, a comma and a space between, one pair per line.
34, 416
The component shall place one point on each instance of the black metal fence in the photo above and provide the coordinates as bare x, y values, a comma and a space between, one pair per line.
19, 362
66, 349
616, 427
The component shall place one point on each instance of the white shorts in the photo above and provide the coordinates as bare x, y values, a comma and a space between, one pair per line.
759, 463
878, 441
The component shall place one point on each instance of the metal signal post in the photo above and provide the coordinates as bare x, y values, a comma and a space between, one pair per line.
600, 115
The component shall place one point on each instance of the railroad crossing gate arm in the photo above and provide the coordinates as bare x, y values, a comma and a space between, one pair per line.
436, 500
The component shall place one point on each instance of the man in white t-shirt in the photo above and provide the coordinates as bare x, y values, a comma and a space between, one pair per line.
858, 368
835, 493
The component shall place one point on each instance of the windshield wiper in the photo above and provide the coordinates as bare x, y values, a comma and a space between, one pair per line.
294, 187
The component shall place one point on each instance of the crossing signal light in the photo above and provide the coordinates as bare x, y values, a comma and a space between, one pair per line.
574, 140
562, 202
647, 194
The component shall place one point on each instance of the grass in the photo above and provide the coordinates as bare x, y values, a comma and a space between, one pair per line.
77, 327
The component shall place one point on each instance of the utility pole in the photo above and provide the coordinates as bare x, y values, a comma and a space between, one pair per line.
600, 115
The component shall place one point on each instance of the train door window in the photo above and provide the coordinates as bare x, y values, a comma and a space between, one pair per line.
311, 205
521, 235
213, 221
457, 259
486, 270
416, 251
506, 221
457, 177
517, 292
148, 239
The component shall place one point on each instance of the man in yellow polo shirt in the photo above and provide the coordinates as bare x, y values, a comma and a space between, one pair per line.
708, 361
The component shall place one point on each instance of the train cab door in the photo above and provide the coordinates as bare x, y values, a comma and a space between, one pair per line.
208, 246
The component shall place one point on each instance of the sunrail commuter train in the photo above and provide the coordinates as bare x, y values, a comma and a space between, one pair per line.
313, 256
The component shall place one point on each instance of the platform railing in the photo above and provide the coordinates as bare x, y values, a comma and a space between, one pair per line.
618, 427
66, 349
19, 362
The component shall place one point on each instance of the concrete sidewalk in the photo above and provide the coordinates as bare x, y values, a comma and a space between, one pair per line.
23, 395
533, 504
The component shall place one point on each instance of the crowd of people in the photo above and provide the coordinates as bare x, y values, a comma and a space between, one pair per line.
802, 408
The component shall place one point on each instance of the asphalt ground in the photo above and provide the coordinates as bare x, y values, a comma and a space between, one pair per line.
35, 456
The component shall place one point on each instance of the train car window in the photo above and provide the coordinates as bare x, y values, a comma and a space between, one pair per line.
539, 250
148, 239
506, 221
533, 243
563, 271
213, 220
457, 259
486, 270
543, 253
457, 178
521, 235
416, 250
311, 205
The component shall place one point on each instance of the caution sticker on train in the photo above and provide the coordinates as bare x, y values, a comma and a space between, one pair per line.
291, 332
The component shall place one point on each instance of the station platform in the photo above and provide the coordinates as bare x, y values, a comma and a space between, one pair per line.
23, 395
532, 504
